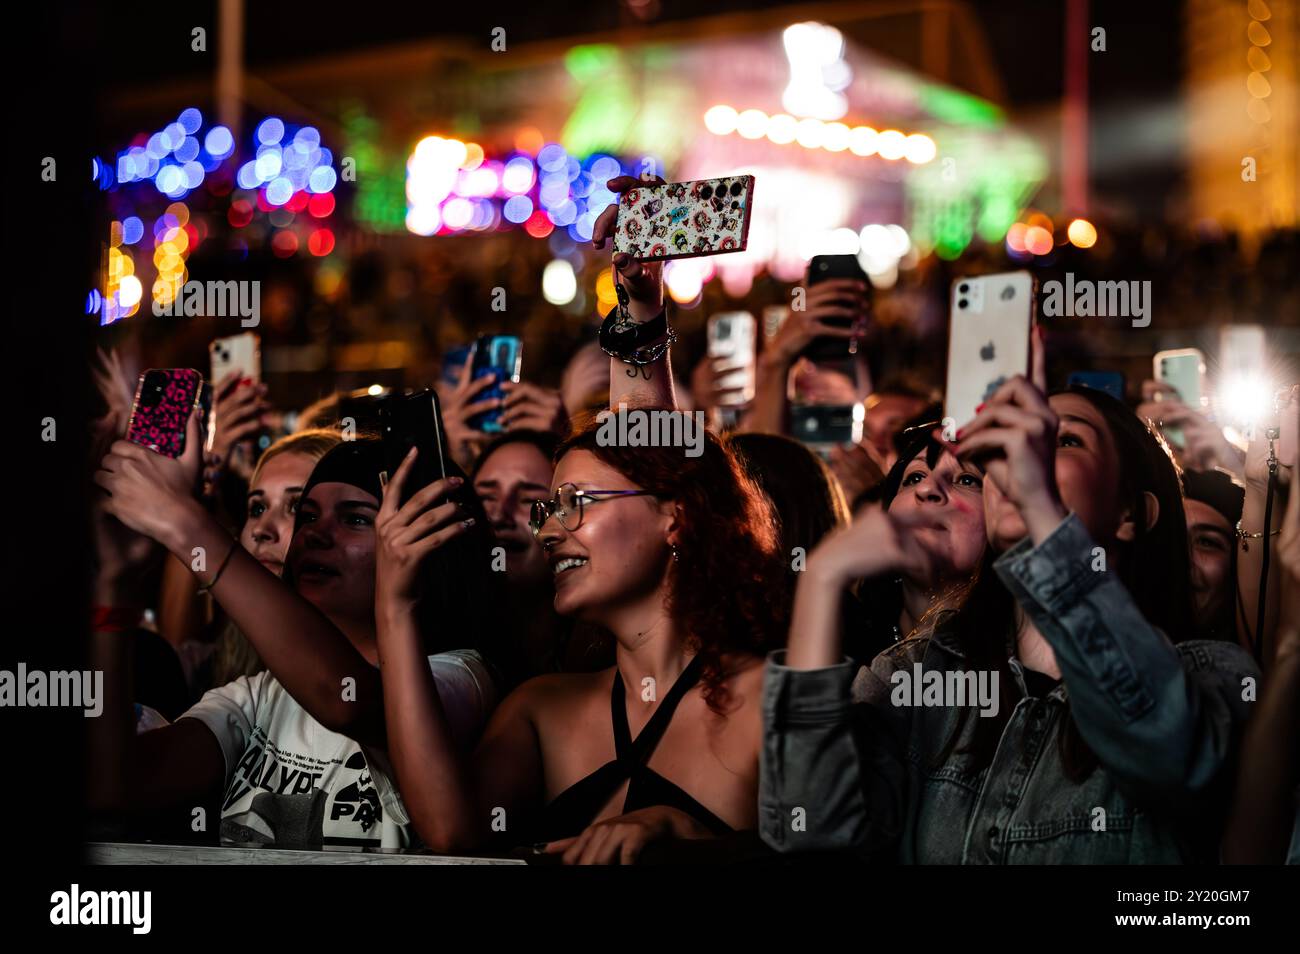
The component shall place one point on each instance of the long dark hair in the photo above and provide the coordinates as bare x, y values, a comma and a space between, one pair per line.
1154, 566
805, 495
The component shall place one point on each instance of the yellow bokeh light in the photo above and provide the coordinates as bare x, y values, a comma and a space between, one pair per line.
1082, 233
606, 297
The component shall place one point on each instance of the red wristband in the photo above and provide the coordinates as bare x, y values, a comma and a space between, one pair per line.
114, 619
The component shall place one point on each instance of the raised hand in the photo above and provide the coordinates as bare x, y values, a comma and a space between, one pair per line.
1014, 438
406, 534
838, 298
529, 407
1204, 446
1288, 560
459, 406
643, 280
149, 492
707, 387
878, 541
241, 409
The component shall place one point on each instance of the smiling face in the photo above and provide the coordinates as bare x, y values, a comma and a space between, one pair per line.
332, 557
1087, 476
1211, 539
508, 481
618, 557
953, 495
272, 502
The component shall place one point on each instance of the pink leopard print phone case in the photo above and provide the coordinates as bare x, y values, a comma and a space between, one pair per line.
685, 219
164, 400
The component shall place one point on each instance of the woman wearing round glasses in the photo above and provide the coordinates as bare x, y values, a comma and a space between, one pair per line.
676, 556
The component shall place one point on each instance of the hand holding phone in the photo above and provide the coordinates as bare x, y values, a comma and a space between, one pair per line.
643, 281
415, 420
160, 413
409, 530
731, 347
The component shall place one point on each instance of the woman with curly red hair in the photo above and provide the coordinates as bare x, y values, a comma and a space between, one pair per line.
676, 556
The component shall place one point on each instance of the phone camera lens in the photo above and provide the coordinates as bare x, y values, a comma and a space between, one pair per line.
961, 303
963, 288
706, 192
737, 188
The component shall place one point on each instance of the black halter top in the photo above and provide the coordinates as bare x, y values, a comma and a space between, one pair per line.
577, 806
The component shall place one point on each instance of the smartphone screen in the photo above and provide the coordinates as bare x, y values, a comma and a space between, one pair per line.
499, 357
988, 341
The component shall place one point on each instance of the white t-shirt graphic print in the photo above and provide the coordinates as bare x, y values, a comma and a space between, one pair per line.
292, 783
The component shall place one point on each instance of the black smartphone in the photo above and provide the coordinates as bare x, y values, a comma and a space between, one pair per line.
415, 420
825, 268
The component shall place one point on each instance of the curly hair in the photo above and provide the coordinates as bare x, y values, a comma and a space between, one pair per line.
727, 591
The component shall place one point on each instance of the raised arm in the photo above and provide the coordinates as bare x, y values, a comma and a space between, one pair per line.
832, 773
129, 772
1165, 725
307, 653
649, 385
1250, 563
450, 803
1264, 812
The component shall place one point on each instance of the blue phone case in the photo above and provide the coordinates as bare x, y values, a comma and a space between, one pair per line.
500, 357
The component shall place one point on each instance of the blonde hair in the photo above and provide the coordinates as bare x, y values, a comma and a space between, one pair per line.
314, 442
234, 655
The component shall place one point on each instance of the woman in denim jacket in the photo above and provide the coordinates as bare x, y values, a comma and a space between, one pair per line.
1053, 718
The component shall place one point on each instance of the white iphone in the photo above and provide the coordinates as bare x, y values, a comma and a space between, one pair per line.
242, 353
988, 341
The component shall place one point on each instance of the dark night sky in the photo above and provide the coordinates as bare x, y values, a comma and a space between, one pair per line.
1140, 68
1144, 38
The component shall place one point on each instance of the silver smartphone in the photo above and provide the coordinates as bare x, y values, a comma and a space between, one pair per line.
988, 341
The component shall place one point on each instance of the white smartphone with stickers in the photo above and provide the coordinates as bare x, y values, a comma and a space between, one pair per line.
991, 319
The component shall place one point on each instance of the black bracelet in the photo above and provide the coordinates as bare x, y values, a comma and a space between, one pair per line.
207, 587
634, 344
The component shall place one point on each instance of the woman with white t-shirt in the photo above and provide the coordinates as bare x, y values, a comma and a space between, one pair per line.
298, 749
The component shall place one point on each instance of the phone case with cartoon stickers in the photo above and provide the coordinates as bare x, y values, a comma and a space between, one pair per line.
685, 219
